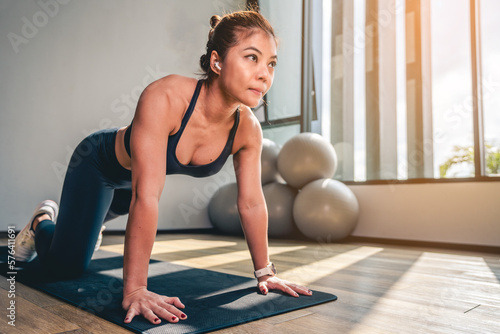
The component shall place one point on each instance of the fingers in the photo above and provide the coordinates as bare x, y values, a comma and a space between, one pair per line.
289, 290
300, 289
154, 308
154, 314
276, 283
283, 285
175, 301
263, 288
151, 316
167, 314
174, 312
130, 315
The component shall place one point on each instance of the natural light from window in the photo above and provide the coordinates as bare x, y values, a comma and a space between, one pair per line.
449, 76
451, 86
490, 49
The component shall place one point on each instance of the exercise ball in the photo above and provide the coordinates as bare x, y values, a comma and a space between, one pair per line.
306, 157
223, 210
326, 210
279, 200
269, 157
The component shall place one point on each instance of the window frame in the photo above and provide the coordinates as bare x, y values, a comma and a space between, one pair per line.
307, 111
267, 123
477, 114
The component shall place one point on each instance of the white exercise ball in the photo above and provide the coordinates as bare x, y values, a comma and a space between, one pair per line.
269, 158
326, 210
306, 157
223, 210
279, 200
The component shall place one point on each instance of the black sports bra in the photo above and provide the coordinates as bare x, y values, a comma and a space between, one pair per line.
173, 165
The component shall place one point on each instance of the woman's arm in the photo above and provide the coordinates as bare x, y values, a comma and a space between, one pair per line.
251, 203
151, 127
252, 206
148, 147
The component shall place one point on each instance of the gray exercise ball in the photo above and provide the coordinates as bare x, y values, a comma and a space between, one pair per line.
269, 157
223, 210
279, 200
306, 157
326, 210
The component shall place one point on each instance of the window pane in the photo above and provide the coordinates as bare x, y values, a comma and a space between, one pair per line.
402, 148
284, 97
359, 81
281, 134
451, 89
490, 54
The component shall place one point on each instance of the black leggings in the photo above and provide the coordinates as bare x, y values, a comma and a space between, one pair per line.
96, 189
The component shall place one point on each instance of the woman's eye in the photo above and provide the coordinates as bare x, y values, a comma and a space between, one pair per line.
252, 57
273, 64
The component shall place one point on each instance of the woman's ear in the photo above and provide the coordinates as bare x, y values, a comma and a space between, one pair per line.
215, 63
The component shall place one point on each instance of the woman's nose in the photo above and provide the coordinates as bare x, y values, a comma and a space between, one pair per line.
263, 72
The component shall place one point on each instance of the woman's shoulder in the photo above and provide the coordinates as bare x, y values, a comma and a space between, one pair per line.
166, 99
249, 130
172, 86
248, 118
171, 93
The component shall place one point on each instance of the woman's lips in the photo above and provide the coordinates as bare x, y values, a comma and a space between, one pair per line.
256, 91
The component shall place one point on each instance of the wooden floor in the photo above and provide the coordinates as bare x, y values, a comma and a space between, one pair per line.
381, 288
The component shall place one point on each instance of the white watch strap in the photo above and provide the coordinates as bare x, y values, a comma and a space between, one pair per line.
268, 270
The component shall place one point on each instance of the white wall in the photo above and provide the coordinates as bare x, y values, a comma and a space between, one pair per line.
68, 68
461, 213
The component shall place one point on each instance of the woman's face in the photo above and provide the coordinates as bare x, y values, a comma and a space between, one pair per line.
247, 71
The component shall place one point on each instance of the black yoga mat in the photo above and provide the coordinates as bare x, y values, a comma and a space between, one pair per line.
213, 300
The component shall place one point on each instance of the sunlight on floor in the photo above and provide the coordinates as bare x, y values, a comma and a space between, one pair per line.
172, 246
445, 278
160, 248
208, 261
310, 273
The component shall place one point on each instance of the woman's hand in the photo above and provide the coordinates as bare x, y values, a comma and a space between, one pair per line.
273, 282
152, 307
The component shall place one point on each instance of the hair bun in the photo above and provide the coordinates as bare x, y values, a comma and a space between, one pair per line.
214, 21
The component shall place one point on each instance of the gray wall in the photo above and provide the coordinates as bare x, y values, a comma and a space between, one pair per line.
68, 68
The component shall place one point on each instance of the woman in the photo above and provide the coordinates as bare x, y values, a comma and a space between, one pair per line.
174, 130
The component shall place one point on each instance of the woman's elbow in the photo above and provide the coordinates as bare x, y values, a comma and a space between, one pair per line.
251, 205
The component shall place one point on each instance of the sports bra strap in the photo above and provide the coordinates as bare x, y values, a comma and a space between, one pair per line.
173, 164
185, 119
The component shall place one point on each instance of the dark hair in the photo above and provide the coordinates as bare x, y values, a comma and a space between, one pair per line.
223, 34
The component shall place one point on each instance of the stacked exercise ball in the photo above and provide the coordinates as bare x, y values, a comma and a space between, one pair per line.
326, 209
279, 200
223, 210
269, 168
306, 157
299, 191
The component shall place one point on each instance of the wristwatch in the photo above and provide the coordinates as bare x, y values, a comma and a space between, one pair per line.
268, 270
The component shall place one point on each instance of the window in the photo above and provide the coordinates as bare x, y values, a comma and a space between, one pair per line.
414, 89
